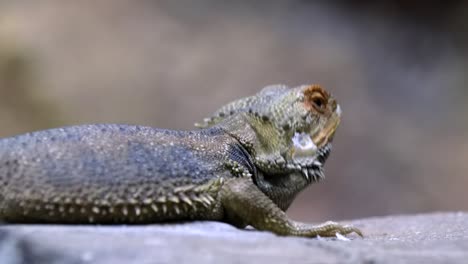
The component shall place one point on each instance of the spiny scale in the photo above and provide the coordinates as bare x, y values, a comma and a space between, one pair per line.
183, 200
172, 204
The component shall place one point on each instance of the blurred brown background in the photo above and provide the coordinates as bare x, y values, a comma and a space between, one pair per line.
399, 70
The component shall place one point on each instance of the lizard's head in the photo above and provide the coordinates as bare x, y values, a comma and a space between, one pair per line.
287, 130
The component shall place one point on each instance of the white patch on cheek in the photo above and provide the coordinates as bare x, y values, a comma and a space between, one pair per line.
338, 110
303, 144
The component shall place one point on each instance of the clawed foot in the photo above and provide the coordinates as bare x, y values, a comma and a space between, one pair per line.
330, 229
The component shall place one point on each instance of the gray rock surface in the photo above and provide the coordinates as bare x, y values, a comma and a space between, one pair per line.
428, 238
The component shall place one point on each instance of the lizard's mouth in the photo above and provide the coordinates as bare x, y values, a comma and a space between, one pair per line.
309, 151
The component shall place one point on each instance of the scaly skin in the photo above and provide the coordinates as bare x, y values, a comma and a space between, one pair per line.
244, 167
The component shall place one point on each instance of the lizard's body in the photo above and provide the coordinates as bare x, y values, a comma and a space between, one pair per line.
111, 174
232, 170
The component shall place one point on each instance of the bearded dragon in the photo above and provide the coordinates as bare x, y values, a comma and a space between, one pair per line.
244, 167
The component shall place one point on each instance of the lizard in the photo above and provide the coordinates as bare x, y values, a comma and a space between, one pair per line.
243, 166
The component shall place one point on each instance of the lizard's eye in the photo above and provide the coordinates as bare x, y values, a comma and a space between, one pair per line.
319, 101
316, 98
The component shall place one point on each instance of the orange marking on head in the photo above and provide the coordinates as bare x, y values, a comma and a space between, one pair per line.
316, 98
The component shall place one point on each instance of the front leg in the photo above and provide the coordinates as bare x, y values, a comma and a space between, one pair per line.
245, 204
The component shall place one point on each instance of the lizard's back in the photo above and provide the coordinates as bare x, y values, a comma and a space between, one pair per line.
108, 174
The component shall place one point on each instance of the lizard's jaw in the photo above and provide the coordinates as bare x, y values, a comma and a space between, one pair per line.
326, 133
310, 150
311, 167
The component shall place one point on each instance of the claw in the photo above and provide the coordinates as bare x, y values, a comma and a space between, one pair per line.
306, 173
332, 228
355, 230
348, 229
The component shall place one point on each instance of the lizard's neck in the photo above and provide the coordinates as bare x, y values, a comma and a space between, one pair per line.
239, 128
281, 188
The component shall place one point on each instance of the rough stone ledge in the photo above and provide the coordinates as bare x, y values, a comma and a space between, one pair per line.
426, 238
